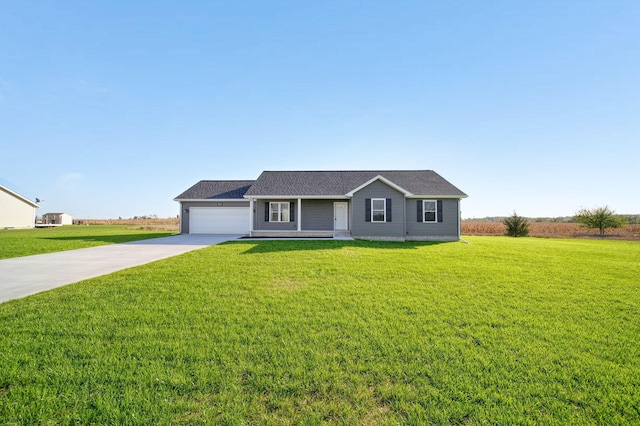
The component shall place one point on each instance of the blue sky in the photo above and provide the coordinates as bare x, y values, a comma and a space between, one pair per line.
112, 108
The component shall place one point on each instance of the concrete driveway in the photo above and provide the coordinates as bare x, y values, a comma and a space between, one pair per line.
27, 275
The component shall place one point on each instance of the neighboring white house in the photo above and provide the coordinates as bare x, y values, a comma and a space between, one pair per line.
57, 219
16, 211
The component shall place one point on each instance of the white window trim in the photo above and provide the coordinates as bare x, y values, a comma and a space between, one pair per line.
279, 211
384, 210
435, 211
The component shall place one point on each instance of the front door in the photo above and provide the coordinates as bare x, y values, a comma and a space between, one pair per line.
340, 216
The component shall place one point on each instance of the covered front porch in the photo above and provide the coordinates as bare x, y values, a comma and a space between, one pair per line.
275, 217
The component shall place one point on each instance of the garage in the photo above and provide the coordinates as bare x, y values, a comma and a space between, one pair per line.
219, 220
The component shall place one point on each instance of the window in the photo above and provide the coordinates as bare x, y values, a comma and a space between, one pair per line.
278, 212
378, 210
429, 211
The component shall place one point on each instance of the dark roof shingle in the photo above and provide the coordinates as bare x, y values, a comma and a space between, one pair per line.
216, 189
339, 183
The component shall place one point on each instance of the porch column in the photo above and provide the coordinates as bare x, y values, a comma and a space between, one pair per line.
299, 214
251, 205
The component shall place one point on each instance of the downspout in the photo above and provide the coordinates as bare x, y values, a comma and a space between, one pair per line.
459, 221
460, 224
299, 214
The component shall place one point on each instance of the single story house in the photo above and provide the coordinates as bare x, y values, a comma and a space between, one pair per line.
57, 219
393, 205
16, 211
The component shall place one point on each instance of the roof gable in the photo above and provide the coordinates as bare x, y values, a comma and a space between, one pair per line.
216, 190
381, 179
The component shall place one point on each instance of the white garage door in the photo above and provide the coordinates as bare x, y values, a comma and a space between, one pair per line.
219, 220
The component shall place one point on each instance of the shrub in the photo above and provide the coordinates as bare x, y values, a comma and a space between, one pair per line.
599, 218
517, 226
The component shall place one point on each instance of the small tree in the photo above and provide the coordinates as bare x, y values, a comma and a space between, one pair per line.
517, 226
599, 218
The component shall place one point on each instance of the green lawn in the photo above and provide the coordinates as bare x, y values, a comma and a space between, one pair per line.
25, 242
499, 331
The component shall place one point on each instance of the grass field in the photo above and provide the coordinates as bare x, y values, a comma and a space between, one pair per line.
499, 331
25, 242
551, 230
166, 224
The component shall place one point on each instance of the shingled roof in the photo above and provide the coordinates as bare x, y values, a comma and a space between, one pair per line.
216, 190
340, 183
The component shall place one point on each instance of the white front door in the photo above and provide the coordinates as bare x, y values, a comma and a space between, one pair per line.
340, 216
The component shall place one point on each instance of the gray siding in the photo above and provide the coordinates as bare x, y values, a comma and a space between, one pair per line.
447, 230
317, 215
389, 230
184, 205
259, 224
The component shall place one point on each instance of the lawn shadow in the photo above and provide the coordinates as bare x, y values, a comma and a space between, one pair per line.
111, 239
271, 246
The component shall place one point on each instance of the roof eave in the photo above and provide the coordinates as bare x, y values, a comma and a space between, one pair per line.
457, 197
303, 197
208, 199
15, 194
